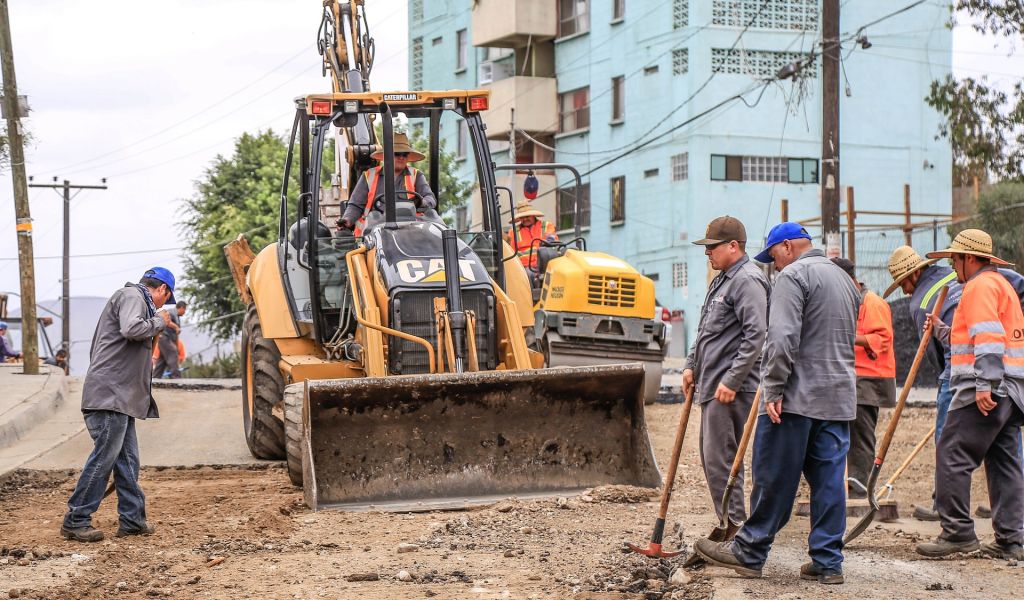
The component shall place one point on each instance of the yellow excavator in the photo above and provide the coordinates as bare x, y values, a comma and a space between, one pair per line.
391, 370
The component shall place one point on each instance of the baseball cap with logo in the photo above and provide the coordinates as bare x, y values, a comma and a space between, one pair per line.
780, 233
723, 229
162, 274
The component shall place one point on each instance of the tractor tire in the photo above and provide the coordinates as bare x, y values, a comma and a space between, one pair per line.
293, 395
262, 391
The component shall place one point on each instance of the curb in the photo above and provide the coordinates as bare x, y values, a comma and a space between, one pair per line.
36, 408
198, 384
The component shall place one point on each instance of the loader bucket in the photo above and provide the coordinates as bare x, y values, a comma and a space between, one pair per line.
447, 441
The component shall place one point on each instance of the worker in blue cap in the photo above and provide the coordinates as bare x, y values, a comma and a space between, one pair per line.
5, 348
116, 392
809, 395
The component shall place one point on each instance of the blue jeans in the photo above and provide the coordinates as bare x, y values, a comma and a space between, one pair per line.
116, 448
781, 453
942, 401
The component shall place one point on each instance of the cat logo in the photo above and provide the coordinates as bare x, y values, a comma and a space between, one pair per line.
427, 271
401, 97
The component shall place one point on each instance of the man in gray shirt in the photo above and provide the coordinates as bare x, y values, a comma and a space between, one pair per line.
167, 343
117, 391
809, 394
724, 362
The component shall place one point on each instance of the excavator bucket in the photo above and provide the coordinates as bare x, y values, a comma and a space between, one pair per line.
447, 441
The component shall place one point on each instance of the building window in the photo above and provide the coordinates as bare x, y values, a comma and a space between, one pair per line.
651, 173
802, 170
764, 168
618, 99
573, 17
726, 168
461, 218
461, 139
651, 70
792, 15
417, 64
679, 275
762, 64
436, 41
461, 49
681, 167
680, 61
618, 10
618, 200
565, 217
574, 110
680, 13
416, 8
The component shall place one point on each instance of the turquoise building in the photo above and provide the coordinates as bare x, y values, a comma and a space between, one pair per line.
621, 89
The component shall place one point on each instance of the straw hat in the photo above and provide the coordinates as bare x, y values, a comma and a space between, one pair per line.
525, 209
971, 241
904, 262
401, 145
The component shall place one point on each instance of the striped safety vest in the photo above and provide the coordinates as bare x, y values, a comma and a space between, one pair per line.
987, 338
541, 230
371, 183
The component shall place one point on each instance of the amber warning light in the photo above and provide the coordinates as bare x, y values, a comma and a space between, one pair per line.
321, 107
478, 103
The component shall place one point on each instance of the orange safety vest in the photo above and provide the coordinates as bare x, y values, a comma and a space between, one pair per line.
874, 322
371, 184
527, 239
987, 338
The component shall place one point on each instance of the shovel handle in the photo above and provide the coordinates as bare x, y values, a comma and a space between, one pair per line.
670, 479
926, 338
748, 428
906, 463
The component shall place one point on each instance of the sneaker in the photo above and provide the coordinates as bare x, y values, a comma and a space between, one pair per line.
1005, 551
146, 529
81, 534
925, 514
813, 572
720, 554
942, 547
983, 512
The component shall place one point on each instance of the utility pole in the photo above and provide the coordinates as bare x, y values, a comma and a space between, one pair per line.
29, 325
65, 299
830, 126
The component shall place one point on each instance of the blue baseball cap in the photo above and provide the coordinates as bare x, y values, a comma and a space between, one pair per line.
3, 325
780, 233
162, 274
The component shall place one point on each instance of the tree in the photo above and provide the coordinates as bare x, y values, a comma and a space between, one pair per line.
983, 124
1001, 215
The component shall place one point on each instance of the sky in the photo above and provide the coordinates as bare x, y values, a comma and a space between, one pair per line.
147, 94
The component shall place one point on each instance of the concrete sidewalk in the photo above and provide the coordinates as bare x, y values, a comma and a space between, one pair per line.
27, 400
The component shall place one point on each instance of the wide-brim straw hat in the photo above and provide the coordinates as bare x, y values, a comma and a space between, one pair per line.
401, 145
526, 209
904, 262
971, 241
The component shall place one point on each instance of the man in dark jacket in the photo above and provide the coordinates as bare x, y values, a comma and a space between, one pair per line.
117, 391
5, 350
809, 398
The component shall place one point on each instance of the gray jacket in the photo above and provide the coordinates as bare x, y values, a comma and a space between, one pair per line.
120, 362
808, 352
731, 331
357, 201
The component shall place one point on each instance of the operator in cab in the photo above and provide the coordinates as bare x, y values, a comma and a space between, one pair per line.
370, 185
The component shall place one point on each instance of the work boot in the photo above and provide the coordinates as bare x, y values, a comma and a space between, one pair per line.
925, 514
717, 535
720, 554
146, 529
942, 547
983, 512
812, 572
81, 534
1005, 551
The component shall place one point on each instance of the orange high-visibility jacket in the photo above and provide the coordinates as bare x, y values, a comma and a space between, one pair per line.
987, 340
541, 230
371, 175
874, 322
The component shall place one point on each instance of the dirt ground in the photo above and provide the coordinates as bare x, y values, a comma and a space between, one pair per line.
243, 532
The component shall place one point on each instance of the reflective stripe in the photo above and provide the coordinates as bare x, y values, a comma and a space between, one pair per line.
935, 289
1015, 352
962, 369
962, 349
986, 327
990, 348
1014, 370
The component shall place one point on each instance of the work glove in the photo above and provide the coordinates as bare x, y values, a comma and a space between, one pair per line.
344, 223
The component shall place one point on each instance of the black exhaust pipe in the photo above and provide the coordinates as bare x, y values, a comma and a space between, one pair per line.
453, 290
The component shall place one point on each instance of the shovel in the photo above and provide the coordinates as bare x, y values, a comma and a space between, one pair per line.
883, 448
726, 530
654, 548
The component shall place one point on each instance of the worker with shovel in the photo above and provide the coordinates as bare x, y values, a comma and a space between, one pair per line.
724, 362
987, 407
809, 389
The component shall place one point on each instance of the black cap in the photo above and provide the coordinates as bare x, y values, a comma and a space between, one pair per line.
846, 265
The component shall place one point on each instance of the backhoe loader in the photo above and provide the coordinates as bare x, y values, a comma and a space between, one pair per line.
391, 369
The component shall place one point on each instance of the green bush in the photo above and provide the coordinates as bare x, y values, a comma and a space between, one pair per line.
219, 368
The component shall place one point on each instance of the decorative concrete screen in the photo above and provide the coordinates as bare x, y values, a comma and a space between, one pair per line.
762, 64
799, 15
680, 13
417, 64
680, 61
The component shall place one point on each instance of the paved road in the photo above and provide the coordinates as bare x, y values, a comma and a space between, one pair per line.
195, 427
